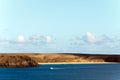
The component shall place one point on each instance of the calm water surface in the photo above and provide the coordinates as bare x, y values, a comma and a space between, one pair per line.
63, 72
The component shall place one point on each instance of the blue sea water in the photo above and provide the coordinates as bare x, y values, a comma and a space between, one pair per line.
63, 72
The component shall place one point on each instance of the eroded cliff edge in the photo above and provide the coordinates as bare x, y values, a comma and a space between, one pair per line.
16, 60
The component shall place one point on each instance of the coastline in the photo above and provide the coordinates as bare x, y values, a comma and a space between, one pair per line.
78, 63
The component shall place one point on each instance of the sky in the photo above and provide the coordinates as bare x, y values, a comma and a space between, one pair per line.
79, 26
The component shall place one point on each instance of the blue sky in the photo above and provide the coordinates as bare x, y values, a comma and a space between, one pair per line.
87, 26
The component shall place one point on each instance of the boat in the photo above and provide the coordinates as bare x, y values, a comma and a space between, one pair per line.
51, 68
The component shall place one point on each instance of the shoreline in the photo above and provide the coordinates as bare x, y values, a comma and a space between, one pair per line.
79, 63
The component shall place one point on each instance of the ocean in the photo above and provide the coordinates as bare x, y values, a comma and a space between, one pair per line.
63, 72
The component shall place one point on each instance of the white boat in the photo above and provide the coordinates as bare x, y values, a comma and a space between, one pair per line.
51, 68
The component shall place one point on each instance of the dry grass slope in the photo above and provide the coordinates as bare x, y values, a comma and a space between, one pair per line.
58, 58
32, 59
16, 60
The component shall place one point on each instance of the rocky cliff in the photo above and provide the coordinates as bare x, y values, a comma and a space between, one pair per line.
16, 60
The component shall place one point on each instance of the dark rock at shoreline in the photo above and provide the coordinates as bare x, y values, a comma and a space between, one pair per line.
14, 60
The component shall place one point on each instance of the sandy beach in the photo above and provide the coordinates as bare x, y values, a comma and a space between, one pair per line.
80, 63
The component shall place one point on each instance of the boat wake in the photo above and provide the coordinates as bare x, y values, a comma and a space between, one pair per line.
53, 68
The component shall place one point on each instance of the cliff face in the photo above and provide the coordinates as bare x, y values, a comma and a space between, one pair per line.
13, 60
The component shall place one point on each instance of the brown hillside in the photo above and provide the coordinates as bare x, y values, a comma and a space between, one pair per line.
15, 60
56, 58
32, 59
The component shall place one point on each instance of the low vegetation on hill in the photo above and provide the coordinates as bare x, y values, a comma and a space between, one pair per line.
32, 59
15, 60
54, 58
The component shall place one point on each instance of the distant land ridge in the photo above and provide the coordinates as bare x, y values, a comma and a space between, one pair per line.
32, 59
72, 57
